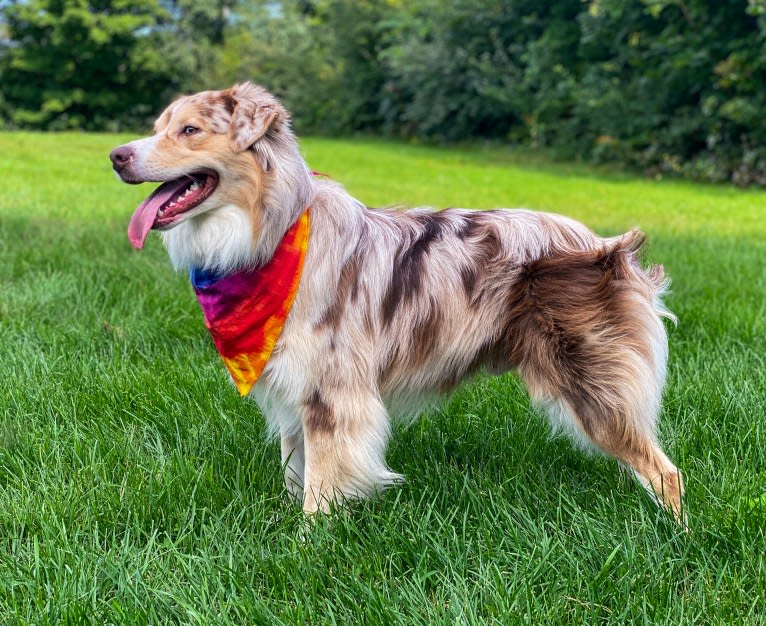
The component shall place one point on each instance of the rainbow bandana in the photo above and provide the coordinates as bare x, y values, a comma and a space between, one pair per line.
246, 311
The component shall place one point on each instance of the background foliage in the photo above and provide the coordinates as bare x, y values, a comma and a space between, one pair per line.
664, 85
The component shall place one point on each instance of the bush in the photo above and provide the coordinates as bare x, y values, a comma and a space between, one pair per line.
668, 86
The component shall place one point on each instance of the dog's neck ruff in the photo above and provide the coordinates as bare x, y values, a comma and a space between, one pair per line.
246, 311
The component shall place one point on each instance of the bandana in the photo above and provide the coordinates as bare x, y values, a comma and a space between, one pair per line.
246, 311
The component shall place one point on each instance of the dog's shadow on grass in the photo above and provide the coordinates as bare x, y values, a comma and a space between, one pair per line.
487, 438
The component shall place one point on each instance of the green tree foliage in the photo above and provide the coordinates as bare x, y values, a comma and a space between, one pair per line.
665, 85
467, 68
674, 86
95, 64
70, 66
320, 56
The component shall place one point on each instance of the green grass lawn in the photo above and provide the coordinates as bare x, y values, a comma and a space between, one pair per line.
137, 488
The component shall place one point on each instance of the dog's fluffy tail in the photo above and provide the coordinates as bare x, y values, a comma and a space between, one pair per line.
624, 251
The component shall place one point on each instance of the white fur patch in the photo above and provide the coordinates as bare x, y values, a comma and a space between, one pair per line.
220, 240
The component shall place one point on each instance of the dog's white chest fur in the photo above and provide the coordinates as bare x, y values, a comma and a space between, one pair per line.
214, 240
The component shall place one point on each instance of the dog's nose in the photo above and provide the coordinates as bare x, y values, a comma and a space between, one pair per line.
121, 156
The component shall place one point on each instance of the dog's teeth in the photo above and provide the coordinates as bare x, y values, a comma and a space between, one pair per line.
194, 186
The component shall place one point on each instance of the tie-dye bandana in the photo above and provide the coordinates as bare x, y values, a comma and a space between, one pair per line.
246, 311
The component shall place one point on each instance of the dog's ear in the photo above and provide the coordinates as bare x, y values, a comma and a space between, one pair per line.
252, 116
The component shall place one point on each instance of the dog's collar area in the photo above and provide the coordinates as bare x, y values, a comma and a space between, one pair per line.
245, 311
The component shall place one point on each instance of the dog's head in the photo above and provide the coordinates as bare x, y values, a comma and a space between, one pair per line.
210, 150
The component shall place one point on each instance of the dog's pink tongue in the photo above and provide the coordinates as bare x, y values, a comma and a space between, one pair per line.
146, 214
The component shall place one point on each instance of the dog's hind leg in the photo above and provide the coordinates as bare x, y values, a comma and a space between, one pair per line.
623, 435
345, 437
592, 349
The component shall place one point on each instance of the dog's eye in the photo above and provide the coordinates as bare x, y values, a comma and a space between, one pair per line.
189, 130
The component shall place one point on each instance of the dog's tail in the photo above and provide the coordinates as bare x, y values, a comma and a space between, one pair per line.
623, 253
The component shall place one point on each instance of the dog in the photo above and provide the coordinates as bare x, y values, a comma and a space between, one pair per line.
383, 308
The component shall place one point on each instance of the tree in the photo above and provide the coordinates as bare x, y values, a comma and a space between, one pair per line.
320, 56
91, 64
488, 68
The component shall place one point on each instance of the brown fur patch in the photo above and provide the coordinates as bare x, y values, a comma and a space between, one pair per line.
319, 415
571, 324
425, 336
488, 248
407, 273
473, 222
228, 101
347, 290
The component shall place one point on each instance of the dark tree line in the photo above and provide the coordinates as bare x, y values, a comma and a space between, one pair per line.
665, 85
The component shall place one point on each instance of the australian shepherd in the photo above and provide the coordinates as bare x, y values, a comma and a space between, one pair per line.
393, 308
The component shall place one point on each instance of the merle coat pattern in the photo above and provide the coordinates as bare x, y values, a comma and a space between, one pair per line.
397, 307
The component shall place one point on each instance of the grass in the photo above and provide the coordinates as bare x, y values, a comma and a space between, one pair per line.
137, 488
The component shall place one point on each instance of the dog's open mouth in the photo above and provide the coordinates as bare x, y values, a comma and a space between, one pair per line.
168, 203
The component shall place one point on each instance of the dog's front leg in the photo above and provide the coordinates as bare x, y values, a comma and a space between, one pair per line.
293, 461
324, 476
345, 435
